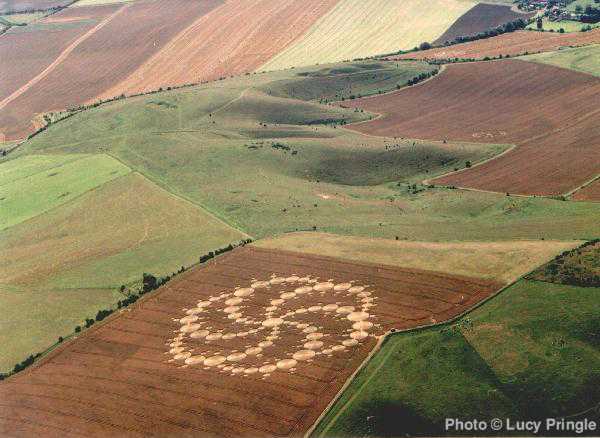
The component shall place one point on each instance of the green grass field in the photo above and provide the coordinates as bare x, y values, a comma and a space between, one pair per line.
151, 183
271, 165
66, 264
566, 25
38, 317
531, 352
336, 83
583, 59
583, 3
33, 185
108, 237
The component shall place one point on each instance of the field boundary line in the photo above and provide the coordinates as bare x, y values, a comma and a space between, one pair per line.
380, 115
64, 54
583, 186
479, 163
75, 198
164, 186
393, 332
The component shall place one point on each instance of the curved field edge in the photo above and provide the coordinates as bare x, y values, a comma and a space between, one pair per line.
189, 141
565, 129
357, 29
495, 362
503, 261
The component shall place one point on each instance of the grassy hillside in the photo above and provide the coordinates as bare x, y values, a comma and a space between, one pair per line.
271, 165
335, 83
33, 185
532, 352
66, 264
356, 29
583, 59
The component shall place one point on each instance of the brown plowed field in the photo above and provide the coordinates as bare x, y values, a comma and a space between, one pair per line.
589, 193
271, 362
551, 113
37, 46
514, 43
480, 18
236, 38
107, 56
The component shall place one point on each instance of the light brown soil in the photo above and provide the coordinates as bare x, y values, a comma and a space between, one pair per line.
37, 46
103, 59
121, 378
235, 38
514, 43
589, 193
551, 113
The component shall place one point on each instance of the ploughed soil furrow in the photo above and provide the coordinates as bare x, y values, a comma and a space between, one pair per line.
252, 343
514, 43
551, 114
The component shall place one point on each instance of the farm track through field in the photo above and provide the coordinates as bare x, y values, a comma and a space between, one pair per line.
120, 377
68, 50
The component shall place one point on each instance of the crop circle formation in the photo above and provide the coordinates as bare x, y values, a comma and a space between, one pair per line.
273, 325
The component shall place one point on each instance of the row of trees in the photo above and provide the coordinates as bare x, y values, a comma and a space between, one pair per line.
149, 283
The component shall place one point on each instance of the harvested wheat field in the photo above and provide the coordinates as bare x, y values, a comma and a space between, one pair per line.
551, 113
480, 18
514, 43
255, 343
236, 38
106, 54
590, 192
357, 29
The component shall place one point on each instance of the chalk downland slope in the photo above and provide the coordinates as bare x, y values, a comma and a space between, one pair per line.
514, 43
72, 260
480, 18
550, 113
357, 29
273, 165
238, 37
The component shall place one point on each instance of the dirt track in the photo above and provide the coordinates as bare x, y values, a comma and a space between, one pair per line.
61, 57
128, 377
550, 113
104, 58
515, 43
589, 193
